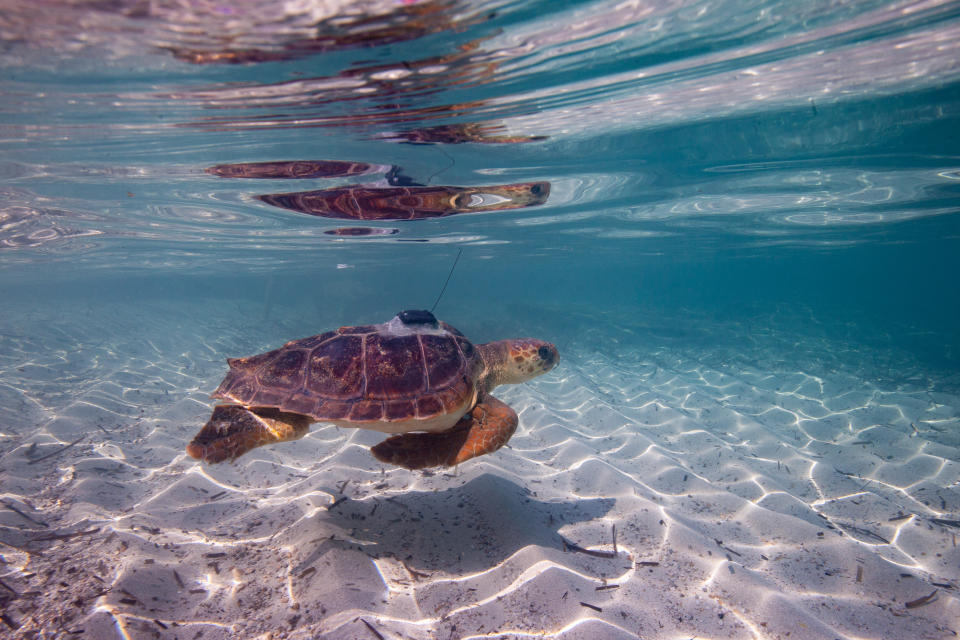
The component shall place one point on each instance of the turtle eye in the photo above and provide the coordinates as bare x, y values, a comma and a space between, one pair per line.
545, 354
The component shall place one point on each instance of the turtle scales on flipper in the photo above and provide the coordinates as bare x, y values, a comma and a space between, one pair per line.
413, 376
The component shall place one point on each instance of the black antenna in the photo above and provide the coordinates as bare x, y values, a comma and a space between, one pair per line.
447, 280
439, 171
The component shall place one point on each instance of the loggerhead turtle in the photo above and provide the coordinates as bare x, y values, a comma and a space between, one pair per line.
413, 376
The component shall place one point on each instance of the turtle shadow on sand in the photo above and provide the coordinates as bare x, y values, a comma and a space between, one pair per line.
462, 529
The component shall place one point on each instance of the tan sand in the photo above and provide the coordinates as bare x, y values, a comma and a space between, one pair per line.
676, 489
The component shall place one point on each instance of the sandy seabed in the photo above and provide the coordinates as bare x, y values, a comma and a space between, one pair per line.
750, 482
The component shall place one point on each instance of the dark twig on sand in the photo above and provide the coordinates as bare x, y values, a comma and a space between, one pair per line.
919, 602
416, 575
7, 620
946, 523
57, 452
865, 533
336, 502
373, 630
569, 546
21, 549
23, 515
66, 536
176, 576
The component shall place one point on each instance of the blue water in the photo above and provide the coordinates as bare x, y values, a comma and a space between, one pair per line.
706, 154
766, 186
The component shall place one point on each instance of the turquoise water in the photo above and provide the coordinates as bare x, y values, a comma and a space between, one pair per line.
747, 201
706, 154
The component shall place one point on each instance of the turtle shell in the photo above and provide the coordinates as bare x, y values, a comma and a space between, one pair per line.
392, 377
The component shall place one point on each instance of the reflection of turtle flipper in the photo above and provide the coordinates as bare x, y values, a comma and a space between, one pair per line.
484, 429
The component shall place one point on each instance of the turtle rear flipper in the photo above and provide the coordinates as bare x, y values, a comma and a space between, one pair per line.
233, 430
484, 429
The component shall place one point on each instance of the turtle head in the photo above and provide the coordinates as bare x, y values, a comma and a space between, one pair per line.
514, 361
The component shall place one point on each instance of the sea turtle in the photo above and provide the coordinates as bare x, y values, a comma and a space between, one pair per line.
409, 202
413, 376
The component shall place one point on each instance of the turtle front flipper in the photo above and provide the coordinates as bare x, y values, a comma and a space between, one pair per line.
484, 429
233, 430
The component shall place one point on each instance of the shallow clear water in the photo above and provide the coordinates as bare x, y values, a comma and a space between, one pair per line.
738, 221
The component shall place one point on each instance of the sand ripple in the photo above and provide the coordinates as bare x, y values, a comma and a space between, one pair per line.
659, 487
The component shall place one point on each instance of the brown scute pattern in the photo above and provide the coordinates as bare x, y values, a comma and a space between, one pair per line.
322, 376
466, 347
266, 398
399, 410
429, 405
394, 367
252, 362
312, 341
443, 360
332, 410
367, 411
285, 371
335, 368
300, 403
237, 387
454, 396
364, 328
